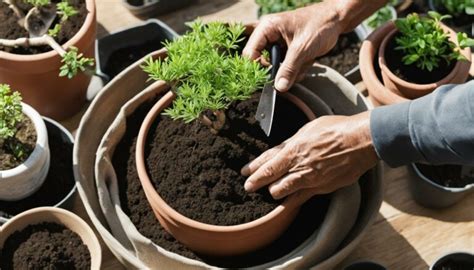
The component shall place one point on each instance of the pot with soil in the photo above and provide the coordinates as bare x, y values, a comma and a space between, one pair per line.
48, 238
462, 14
117, 51
59, 187
413, 71
48, 65
454, 261
24, 149
440, 186
148, 8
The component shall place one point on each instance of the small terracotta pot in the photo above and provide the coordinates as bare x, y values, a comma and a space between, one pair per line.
213, 239
36, 76
410, 90
379, 95
59, 216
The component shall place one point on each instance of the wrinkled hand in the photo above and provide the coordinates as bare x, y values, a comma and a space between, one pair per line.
307, 32
326, 154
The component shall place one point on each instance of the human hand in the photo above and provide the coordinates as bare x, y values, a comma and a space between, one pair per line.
307, 32
326, 154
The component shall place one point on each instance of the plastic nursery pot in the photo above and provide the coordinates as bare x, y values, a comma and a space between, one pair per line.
379, 95
37, 77
59, 216
117, 51
144, 8
213, 239
462, 22
458, 74
25, 179
455, 260
432, 195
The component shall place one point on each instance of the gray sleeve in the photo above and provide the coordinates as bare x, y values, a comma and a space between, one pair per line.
437, 128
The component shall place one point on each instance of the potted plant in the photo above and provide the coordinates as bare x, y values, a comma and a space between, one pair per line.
209, 125
24, 150
48, 238
419, 54
380, 17
454, 260
46, 76
276, 6
440, 186
461, 11
59, 187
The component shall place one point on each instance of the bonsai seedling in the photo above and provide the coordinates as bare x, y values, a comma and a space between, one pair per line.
458, 7
424, 42
275, 6
207, 73
11, 116
38, 22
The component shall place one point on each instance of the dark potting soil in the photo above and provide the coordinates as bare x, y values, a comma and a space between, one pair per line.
45, 246
24, 140
454, 265
445, 175
198, 173
345, 55
136, 206
121, 59
10, 29
412, 73
58, 183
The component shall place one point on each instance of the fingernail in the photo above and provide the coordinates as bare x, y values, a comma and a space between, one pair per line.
282, 84
248, 186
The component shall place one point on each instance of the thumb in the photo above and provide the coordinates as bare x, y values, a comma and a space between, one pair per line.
289, 69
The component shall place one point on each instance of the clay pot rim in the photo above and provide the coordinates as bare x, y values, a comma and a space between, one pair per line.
90, 6
415, 86
41, 142
57, 213
291, 203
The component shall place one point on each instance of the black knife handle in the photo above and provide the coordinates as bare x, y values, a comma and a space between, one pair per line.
276, 57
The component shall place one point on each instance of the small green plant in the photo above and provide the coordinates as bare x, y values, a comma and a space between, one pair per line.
38, 3
424, 42
458, 7
206, 72
73, 62
55, 31
380, 17
65, 10
275, 6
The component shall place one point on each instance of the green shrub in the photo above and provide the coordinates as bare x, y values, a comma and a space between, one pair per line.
457, 7
275, 6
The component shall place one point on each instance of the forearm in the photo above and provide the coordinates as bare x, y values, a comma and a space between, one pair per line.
438, 128
352, 12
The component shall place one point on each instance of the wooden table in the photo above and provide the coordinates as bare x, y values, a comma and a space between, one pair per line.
404, 235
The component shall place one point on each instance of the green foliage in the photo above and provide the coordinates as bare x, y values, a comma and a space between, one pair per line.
65, 10
424, 42
10, 112
458, 7
73, 62
380, 17
55, 31
38, 3
275, 6
205, 70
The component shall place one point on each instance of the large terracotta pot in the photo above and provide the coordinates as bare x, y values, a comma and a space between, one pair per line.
410, 90
212, 239
36, 76
59, 216
379, 95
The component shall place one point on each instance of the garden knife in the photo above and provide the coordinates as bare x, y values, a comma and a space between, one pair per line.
266, 105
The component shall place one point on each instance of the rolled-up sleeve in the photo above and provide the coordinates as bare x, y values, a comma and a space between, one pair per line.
437, 128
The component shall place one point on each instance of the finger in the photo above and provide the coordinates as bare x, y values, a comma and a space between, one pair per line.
287, 185
290, 67
269, 172
264, 34
303, 72
252, 166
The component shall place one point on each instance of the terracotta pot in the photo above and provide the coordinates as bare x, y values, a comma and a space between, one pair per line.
379, 95
213, 239
36, 76
410, 90
59, 216
25, 179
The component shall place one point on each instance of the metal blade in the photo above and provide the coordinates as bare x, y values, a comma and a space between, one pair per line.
266, 108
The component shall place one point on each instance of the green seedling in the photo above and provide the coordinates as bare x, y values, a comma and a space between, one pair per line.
11, 115
380, 17
206, 72
73, 62
275, 6
65, 10
458, 7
